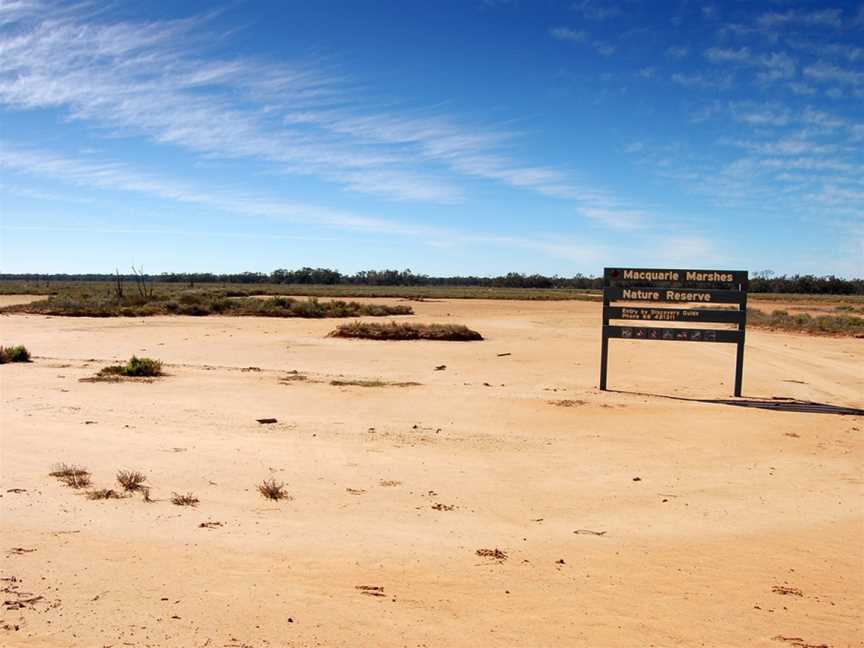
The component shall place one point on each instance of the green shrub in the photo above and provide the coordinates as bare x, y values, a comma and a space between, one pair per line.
136, 368
16, 353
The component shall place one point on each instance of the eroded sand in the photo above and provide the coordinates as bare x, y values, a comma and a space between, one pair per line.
731, 502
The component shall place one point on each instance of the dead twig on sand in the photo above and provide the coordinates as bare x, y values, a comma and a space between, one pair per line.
589, 532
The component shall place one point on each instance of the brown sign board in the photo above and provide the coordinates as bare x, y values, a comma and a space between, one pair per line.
638, 288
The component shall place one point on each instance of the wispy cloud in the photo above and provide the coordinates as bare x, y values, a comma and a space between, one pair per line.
753, 113
827, 72
820, 18
113, 176
596, 9
710, 81
151, 79
772, 66
567, 34
581, 37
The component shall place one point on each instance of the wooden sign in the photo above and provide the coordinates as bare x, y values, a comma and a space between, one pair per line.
699, 290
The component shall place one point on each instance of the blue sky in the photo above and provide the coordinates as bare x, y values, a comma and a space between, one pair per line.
462, 137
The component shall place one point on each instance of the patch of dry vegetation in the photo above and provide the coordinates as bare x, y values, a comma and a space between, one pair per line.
782, 320
271, 489
103, 494
184, 499
135, 368
131, 480
16, 353
198, 303
406, 331
495, 554
372, 383
71, 475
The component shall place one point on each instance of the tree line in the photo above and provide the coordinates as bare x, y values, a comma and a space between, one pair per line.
761, 282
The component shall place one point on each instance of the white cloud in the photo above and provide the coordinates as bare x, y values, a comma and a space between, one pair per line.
820, 18
801, 88
772, 66
648, 72
596, 10
150, 79
708, 81
618, 219
827, 72
567, 34
761, 114
678, 51
119, 177
604, 49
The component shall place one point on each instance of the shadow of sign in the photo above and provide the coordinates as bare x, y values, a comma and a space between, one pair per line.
778, 404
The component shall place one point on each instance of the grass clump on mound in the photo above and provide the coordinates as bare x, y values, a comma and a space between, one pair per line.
135, 368
806, 323
17, 353
406, 331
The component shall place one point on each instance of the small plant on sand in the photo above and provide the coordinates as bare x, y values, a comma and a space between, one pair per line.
103, 494
495, 554
406, 331
271, 489
131, 480
185, 499
17, 353
135, 368
71, 475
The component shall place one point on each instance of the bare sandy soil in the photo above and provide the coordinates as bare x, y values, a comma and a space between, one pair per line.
14, 300
647, 516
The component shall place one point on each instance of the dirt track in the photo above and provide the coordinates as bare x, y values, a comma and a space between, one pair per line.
733, 506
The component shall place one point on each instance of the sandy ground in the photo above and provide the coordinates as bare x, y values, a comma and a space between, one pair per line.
702, 512
14, 300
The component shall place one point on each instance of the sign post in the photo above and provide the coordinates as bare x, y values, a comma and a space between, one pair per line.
644, 288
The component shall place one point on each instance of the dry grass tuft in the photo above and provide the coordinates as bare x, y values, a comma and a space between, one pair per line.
103, 494
406, 331
131, 480
495, 554
62, 470
567, 403
271, 489
187, 499
72, 476
372, 383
